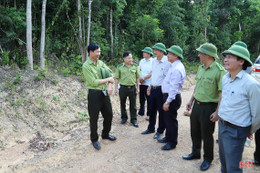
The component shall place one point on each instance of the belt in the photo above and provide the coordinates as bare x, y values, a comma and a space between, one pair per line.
165, 94
93, 90
228, 123
127, 86
156, 87
204, 103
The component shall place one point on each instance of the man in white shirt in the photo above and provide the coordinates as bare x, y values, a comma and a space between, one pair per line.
145, 66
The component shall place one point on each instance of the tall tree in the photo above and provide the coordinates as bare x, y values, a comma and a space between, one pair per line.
42, 46
29, 34
89, 21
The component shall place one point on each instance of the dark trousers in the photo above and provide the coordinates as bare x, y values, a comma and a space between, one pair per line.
97, 102
202, 129
170, 119
257, 146
129, 92
156, 105
142, 98
231, 141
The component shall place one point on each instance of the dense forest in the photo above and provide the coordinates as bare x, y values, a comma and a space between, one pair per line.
56, 33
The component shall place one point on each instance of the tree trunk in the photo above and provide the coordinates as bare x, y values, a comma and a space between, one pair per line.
42, 47
15, 4
89, 21
81, 45
111, 33
29, 34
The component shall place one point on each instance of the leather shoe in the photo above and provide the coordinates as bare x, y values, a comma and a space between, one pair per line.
163, 140
109, 137
123, 121
147, 132
135, 124
96, 145
157, 135
141, 112
168, 146
205, 165
190, 157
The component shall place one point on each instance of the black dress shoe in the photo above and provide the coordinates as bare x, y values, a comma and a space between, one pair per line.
205, 165
163, 140
123, 121
96, 145
157, 135
168, 146
147, 132
109, 137
190, 157
135, 124
141, 112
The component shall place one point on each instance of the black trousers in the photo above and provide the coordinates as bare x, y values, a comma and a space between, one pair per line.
257, 146
142, 98
98, 102
129, 92
170, 119
202, 129
156, 97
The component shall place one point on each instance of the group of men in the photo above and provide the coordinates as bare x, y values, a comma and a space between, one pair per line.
226, 94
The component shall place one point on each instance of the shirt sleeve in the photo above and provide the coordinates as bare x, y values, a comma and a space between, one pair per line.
174, 84
138, 72
89, 76
117, 73
254, 95
222, 73
110, 71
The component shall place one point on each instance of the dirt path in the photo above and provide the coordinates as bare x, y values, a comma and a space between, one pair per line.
132, 152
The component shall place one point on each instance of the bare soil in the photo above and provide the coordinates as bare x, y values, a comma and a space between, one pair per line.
44, 128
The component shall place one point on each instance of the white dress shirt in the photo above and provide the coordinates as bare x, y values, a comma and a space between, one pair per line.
146, 68
159, 70
174, 80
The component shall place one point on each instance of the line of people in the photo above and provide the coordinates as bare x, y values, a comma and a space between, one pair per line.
225, 94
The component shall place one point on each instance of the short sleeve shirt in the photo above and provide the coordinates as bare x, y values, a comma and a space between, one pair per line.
209, 82
127, 75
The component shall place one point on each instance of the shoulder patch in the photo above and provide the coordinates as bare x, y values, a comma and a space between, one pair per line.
220, 67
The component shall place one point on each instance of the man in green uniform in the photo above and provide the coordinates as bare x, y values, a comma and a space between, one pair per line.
99, 84
205, 97
127, 74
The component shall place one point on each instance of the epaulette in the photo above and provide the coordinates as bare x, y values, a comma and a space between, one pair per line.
120, 65
220, 67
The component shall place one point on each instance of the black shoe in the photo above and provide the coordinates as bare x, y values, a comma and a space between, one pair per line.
205, 165
168, 146
123, 121
157, 135
147, 132
141, 112
109, 137
96, 145
163, 140
135, 124
256, 163
190, 157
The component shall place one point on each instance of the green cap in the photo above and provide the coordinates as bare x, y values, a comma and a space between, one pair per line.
148, 50
105, 73
240, 43
177, 50
209, 49
160, 46
239, 51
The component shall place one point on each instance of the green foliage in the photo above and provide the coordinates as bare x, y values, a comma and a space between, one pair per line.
4, 58
17, 79
41, 75
84, 116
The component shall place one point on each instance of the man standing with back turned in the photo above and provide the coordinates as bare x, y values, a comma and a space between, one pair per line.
99, 84
205, 97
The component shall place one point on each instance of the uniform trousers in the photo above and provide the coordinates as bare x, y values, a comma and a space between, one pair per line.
156, 98
130, 92
257, 146
202, 129
98, 102
231, 142
170, 119
142, 98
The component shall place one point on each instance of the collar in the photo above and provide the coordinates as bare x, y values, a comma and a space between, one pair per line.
239, 75
210, 66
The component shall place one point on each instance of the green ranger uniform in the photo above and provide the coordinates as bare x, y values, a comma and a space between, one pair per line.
98, 100
208, 86
127, 78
